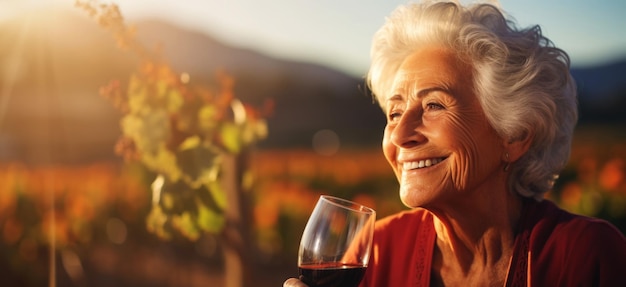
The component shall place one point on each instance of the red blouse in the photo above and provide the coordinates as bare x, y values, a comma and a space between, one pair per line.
552, 248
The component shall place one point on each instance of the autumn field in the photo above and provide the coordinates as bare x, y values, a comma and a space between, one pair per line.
84, 225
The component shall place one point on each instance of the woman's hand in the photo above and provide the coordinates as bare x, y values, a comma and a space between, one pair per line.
294, 282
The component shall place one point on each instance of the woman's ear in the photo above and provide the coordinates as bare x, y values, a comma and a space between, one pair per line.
517, 147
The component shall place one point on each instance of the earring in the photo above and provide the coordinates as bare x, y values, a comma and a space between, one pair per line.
507, 164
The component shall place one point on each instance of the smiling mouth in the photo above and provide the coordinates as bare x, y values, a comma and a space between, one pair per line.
422, 163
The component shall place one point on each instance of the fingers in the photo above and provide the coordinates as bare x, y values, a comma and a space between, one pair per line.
293, 282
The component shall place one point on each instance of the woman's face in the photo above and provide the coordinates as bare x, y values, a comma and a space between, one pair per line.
437, 138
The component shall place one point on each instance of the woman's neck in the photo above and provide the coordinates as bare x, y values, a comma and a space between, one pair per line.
475, 238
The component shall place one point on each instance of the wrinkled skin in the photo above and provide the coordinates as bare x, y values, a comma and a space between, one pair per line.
432, 113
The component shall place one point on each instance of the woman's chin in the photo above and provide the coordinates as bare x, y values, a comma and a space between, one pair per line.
408, 198
411, 192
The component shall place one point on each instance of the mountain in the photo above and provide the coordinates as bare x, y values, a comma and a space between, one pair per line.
308, 97
602, 93
53, 63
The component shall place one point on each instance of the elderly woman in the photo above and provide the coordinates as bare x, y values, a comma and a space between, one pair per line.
480, 116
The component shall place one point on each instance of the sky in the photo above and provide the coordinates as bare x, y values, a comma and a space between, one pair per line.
337, 33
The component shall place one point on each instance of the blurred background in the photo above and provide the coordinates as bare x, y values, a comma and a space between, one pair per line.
74, 213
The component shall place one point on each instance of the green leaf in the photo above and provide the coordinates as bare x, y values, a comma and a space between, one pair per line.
155, 222
206, 118
209, 220
178, 197
131, 126
197, 163
218, 194
167, 201
190, 143
175, 101
161, 89
137, 95
185, 224
163, 162
230, 135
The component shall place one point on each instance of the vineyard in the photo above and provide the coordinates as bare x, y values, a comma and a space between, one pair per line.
94, 214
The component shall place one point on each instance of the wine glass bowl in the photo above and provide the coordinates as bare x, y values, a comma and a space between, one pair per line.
336, 243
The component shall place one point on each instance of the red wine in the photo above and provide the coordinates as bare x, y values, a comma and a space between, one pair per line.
331, 275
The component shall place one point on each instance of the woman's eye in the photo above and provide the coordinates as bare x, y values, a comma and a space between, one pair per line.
394, 116
434, 107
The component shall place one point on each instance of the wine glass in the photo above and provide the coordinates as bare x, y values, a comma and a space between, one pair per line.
336, 243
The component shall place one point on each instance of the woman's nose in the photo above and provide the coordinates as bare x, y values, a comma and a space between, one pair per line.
407, 133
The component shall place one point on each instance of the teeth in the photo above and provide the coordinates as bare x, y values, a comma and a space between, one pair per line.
421, 163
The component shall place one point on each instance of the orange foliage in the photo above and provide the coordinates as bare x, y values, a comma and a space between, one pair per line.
66, 201
612, 174
595, 184
293, 198
571, 195
281, 189
86, 194
12, 230
587, 169
344, 168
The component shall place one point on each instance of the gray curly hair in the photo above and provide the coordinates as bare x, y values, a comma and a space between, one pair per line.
521, 79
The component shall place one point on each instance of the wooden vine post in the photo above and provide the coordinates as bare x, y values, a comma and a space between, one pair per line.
236, 236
